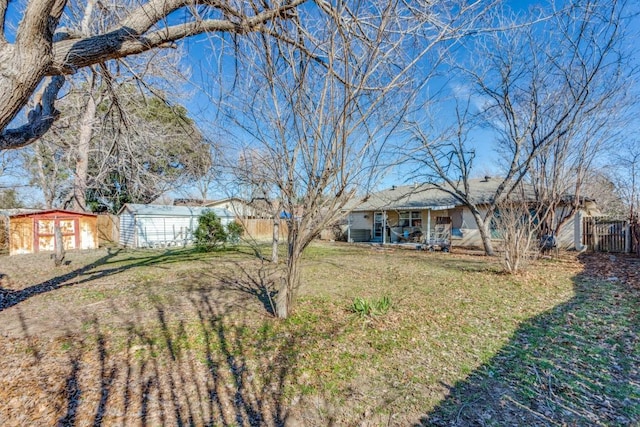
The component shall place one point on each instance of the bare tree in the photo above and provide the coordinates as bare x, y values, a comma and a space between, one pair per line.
42, 47
601, 186
321, 121
540, 84
517, 224
625, 167
48, 164
257, 180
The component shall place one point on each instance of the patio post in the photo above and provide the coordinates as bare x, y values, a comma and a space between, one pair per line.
384, 227
428, 226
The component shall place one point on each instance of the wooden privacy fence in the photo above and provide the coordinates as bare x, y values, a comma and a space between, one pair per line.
108, 229
262, 229
4, 234
606, 235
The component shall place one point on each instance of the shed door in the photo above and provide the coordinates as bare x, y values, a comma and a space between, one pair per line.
45, 233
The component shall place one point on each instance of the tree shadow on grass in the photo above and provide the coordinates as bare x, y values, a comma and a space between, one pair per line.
578, 364
256, 281
215, 370
260, 283
96, 270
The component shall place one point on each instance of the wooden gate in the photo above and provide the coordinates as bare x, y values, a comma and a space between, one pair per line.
605, 235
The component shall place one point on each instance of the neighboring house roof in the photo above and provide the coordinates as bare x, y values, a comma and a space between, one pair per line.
226, 200
168, 210
254, 207
191, 202
426, 196
234, 201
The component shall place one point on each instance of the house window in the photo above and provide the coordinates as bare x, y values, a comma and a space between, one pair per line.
410, 219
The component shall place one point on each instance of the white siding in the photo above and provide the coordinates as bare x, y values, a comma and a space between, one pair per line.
565, 235
127, 230
357, 220
147, 230
154, 231
360, 226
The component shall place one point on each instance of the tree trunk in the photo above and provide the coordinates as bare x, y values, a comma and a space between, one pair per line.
23, 64
59, 245
485, 234
274, 241
82, 156
289, 284
283, 299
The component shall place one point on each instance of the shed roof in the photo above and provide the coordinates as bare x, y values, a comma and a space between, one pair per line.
29, 212
426, 196
168, 210
17, 211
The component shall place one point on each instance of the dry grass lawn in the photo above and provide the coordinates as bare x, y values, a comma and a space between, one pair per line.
184, 338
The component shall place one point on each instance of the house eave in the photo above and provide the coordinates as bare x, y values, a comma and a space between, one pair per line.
405, 208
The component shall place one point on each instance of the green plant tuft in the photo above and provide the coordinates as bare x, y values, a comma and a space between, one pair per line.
365, 308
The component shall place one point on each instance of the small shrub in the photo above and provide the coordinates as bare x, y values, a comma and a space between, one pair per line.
234, 232
210, 233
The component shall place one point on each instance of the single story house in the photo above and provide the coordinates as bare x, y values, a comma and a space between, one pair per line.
148, 226
34, 231
241, 208
423, 213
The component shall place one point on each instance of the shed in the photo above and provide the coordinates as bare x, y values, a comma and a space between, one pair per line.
33, 232
148, 226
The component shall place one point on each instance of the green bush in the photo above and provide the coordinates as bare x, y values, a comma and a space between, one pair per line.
210, 233
234, 232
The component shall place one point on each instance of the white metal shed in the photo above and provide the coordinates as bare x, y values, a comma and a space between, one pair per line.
150, 226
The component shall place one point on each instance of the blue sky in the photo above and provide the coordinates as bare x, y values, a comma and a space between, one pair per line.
199, 58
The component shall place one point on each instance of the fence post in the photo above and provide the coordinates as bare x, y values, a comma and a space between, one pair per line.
627, 237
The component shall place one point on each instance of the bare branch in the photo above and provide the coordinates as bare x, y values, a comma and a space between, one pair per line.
132, 36
39, 121
3, 16
36, 54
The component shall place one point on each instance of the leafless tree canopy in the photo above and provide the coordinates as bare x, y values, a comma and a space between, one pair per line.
45, 46
548, 85
320, 116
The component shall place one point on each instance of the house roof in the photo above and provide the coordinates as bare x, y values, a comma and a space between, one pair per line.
191, 202
226, 200
426, 196
168, 210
